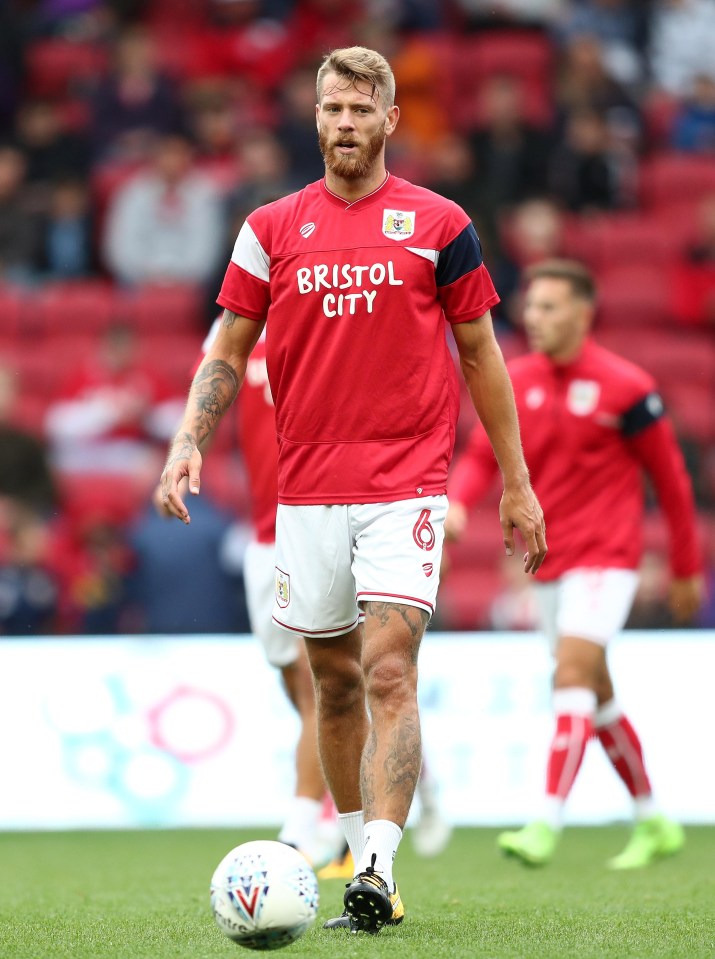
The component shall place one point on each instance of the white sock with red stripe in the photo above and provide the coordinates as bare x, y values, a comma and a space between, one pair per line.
574, 709
623, 748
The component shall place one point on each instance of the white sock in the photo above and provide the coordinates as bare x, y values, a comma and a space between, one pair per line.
644, 807
382, 838
553, 812
301, 823
353, 825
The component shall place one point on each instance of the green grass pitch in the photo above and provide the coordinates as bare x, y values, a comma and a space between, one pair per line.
144, 895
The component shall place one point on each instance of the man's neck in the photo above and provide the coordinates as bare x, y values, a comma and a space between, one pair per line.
351, 189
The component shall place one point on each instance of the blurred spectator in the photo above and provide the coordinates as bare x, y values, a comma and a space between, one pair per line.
115, 413
214, 128
169, 597
693, 276
166, 222
25, 473
134, 104
682, 43
29, 591
50, 150
531, 232
585, 83
296, 130
264, 174
619, 25
12, 54
583, 174
19, 224
453, 173
694, 120
512, 156
67, 247
511, 13
317, 26
241, 38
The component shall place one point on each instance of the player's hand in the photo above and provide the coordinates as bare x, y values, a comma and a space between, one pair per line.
455, 522
686, 597
519, 508
157, 501
184, 460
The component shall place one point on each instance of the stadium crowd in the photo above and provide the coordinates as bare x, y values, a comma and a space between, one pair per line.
136, 136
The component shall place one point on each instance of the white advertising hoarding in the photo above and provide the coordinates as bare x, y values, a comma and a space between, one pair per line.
196, 731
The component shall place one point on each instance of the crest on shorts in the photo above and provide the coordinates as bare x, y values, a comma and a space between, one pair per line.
282, 588
582, 397
397, 224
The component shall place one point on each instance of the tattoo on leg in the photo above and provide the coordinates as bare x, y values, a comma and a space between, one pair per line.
414, 618
367, 772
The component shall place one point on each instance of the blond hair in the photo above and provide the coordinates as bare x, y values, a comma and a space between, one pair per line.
360, 65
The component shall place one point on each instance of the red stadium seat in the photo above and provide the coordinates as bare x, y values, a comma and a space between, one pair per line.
115, 498
174, 355
171, 307
83, 306
692, 410
668, 353
632, 296
10, 313
672, 178
623, 239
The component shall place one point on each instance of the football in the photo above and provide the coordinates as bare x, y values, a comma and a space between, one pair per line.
264, 895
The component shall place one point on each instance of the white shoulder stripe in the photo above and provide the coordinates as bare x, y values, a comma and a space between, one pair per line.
427, 254
250, 255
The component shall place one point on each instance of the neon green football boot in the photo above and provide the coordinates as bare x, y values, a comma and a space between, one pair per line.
652, 839
534, 845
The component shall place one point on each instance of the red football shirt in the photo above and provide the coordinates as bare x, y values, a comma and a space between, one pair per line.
355, 296
589, 428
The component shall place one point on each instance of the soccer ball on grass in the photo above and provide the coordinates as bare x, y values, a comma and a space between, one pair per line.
264, 894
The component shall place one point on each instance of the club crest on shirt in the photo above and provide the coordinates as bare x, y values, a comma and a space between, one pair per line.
582, 397
282, 588
397, 224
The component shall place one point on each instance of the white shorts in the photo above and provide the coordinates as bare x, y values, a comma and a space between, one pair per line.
330, 558
591, 604
259, 568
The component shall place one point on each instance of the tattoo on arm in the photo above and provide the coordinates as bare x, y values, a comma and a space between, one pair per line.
213, 390
181, 449
229, 319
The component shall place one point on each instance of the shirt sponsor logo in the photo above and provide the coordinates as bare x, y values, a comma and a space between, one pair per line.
428, 569
336, 277
398, 225
282, 588
306, 230
582, 397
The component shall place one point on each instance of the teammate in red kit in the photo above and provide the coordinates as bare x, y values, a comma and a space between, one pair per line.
592, 423
354, 277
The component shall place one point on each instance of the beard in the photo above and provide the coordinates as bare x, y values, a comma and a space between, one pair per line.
355, 166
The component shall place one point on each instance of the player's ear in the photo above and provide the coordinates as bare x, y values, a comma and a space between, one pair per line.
393, 115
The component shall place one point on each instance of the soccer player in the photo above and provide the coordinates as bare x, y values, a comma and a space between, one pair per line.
592, 424
354, 276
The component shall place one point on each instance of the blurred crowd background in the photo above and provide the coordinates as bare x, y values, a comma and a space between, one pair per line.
135, 135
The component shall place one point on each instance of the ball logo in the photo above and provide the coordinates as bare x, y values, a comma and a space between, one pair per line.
423, 532
306, 230
282, 588
398, 225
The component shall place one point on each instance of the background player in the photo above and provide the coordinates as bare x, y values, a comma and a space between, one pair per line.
592, 423
354, 276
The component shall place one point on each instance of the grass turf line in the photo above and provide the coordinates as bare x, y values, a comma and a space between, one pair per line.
144, 895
